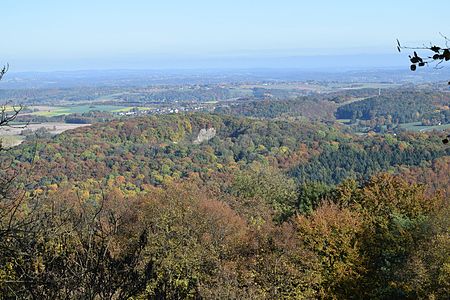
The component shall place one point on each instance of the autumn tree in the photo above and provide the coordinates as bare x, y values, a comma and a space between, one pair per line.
333, 234
396, 216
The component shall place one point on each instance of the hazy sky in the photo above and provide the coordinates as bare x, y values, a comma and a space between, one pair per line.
60, 34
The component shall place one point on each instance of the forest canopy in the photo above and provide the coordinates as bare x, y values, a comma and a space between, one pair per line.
137, 208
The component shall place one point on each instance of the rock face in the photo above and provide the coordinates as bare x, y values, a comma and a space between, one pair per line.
205, 135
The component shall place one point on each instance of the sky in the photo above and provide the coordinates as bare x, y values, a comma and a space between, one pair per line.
45, 35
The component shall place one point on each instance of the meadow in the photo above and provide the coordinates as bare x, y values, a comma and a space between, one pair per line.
417, 126
49, 111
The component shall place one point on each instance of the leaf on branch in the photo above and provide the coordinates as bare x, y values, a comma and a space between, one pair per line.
414, 60
435, 49
446, 54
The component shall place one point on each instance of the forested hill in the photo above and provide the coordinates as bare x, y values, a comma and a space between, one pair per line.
306, 107
204, 206
400, 107
158, 149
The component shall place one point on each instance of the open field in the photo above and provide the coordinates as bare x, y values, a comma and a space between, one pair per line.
11, 140
352, 101
416, 126
12, 136
287, 86
48, 111
343, 121
367, 85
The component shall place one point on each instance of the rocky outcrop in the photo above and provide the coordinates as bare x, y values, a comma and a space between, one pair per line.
205, 135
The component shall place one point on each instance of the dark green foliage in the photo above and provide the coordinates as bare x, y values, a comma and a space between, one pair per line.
360, 162
396, 107
270, 186
311, 195
308, 107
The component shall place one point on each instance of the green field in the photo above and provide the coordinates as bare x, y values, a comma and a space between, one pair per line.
79, 109
416, 126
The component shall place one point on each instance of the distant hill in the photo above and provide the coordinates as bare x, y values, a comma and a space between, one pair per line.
161, 148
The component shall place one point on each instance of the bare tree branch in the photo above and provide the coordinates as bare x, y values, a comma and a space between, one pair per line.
438, 54
3, 71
